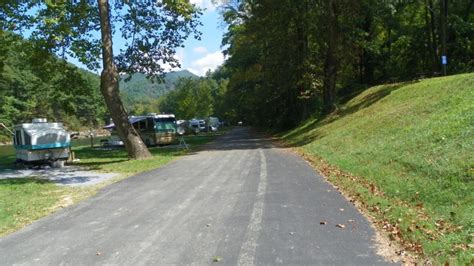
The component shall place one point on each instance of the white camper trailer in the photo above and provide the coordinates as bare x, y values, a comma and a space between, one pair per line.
39, 143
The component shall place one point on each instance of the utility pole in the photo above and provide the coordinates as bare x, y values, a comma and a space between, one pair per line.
444, 19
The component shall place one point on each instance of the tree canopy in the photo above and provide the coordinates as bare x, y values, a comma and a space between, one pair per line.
84, 30
288, 60
52, 88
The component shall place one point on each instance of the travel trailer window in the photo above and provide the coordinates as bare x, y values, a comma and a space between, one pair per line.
18, 137
27, 139
142, 124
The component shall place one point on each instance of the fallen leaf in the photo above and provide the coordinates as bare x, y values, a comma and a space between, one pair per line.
372, 188
216, 259
340, 226
98, 254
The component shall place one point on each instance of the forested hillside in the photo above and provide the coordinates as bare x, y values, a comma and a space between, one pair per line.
290, 60
197, 98
36, 84
141, 95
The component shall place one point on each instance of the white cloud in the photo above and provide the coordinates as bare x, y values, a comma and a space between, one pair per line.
206, 4
208, 62
180, 56
200, 50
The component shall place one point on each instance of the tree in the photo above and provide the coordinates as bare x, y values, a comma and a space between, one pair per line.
109, 86
331, 60
192, 98
50, 88
70, 29
288, 60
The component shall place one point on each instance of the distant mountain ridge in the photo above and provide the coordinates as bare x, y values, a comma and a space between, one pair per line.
139, 88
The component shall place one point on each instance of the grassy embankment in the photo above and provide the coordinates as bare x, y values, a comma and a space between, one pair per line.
405, 153
24, 200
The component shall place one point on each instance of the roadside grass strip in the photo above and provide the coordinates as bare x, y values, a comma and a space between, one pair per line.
24, 200
405, 153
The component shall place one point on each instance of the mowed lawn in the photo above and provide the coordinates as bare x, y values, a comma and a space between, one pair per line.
406, 152
24, 200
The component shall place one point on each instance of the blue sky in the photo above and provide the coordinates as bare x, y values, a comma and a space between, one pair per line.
199, 56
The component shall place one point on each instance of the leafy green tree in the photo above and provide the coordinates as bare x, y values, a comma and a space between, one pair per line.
288, 60
52, 88
192, 98
68, 28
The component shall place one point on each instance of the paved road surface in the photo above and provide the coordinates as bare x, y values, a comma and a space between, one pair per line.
241, 201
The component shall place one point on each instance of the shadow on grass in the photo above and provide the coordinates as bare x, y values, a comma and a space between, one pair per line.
23, 181
373, 97
98, 165
308, 134
88, 153
98, 157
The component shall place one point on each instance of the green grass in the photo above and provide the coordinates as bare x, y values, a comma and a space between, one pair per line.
24, 200
414, 142
116, 160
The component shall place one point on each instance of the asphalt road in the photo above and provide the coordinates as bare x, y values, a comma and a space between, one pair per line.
240, 201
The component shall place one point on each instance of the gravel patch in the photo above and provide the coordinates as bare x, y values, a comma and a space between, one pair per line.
67, 176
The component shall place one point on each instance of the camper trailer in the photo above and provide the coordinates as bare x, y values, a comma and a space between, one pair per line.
40, 143
153, 129
197, 125
214, 123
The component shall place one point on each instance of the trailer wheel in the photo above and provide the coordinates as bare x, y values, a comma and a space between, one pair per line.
18, 165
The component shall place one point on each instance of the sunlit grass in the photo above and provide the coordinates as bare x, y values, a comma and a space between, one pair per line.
24, 200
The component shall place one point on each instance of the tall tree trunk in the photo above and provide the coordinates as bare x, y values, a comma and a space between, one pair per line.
431, 24
330, 64
109, 86
302, 82
444, 17
467, 10
367, 58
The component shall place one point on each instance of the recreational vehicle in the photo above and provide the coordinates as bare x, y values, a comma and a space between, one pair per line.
153, 129
197, 125
214, 123
40, 143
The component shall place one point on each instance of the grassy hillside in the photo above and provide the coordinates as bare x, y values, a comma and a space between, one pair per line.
407, 153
